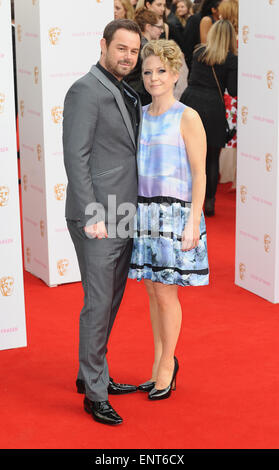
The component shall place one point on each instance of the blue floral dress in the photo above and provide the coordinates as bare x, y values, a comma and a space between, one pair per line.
164, 204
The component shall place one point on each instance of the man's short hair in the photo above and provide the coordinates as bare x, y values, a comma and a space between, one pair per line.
122, 23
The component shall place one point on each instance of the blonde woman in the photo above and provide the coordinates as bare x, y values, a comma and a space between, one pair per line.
123, 9
228, 10
170, 248
184, 11
214, 69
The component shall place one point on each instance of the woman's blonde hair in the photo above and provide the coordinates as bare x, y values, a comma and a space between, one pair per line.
130, 12
221, 40
167, 50
228, 10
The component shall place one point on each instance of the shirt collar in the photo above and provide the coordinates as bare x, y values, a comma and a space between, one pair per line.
111, 77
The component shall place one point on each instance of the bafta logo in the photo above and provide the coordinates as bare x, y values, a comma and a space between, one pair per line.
42, 228
269, 79
36, 75
6, 286
19, 32
59, 191
39, 152
54, 35
34, 2
244, 114
57, 114
62, 266
271, 2
268, 162
243, 193
28, 255
21, 107
4, 196
242, 271
245, 34
25, 182
267, 243
2, 103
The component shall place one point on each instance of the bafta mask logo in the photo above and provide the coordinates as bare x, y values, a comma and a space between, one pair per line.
269, 79
4, 196
244, 114
6, 286
268, 162
39, 152
245, 34
34, 2
62, 266
19, 32
25, 182
271, 2
243, 193
242, 271
2, 103
42, 228
21, 107
36, 75
54, 35
57, 114
28, 255
267, 243
59, 191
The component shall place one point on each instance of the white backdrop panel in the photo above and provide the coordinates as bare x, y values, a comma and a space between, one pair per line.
57, 42
12, 308
257, 167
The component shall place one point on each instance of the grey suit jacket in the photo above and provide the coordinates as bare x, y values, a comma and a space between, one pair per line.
99, 146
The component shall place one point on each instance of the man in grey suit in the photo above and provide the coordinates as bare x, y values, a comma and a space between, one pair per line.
102, 117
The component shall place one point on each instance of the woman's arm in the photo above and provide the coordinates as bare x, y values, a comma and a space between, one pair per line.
194, 137
205, 26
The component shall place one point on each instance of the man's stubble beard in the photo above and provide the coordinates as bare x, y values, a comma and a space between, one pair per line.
115, 71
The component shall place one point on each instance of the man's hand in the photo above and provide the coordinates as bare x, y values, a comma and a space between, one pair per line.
96, 230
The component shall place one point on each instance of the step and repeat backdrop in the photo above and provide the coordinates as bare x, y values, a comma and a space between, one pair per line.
12, 305
257, 215
56, 43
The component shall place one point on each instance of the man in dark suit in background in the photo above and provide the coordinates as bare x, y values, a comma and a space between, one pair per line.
101, 127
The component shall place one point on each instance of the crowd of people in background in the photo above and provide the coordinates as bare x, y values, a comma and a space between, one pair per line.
208, 77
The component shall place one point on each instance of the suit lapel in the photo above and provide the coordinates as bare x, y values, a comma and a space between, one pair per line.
118, 97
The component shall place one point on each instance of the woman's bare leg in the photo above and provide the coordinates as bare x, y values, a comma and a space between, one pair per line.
169, 325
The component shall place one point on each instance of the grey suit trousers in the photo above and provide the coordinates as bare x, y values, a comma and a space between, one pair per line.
104, 266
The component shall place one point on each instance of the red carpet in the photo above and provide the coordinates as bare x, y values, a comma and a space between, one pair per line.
228, 383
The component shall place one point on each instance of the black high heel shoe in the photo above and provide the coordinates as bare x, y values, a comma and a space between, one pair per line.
155, 394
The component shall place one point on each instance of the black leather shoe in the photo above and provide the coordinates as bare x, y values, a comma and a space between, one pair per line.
102, 412
146, 386
119, 389
113, 387
156, 394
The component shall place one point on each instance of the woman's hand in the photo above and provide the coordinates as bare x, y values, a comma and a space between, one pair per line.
190, 236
